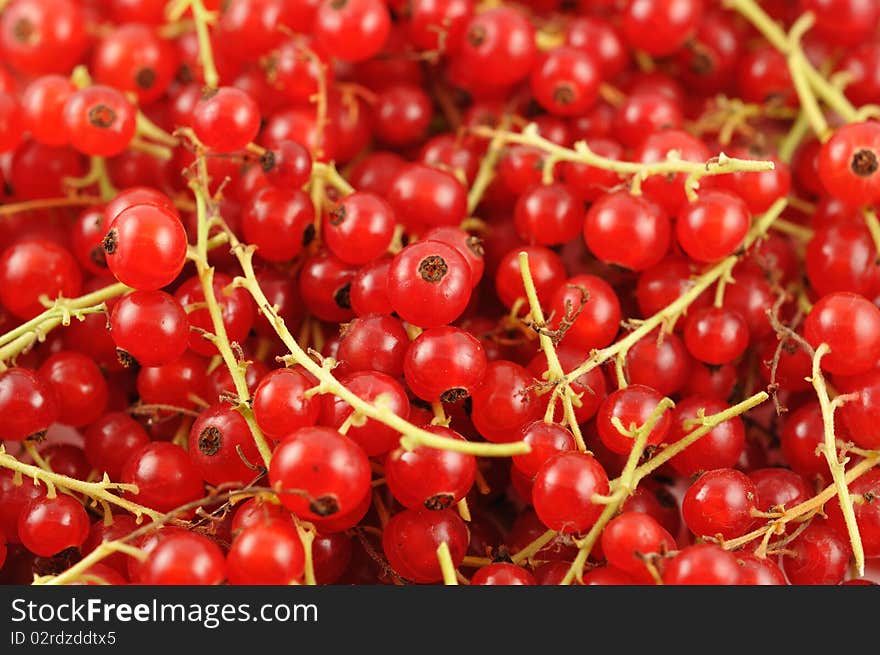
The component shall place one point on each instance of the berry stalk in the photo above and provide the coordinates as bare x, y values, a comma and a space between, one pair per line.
829, 449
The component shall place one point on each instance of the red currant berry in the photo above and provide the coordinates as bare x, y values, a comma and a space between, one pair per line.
319, 473
563, 491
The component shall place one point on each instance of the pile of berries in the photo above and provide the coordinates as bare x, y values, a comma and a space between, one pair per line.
439, 291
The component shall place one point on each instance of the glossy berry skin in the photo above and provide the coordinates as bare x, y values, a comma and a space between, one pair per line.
423, 195
633, 406
640, 116
548, 215
702, 564
720, 502
502, 404
32, 268
563, 490
110, 441
47, 526
13, 499
145, 247
627, 230
43, 36
289, 166
375, 342
279, 222
843, 22
819, 556
226, 120
164, 475
268, 553
429, 477
591, 305
280, 404
660, 27
359, 228
184, 558
325, 286
352, 30
565, 81
411, 538
850, 325
134, 59
429, 284
216, 438
79, 387
713, 226
401, 115
444, 364
373, 437
149, 327
779, 488
330, 468
236, 309
849, 163
42, 104
716, 335
468, 245
800, 437
502, 574
660, 361
545, 441
173, 383
630, 535
867, 512
754, 570
28, 405
99, 120
720, 448
547, 269
860, 415
500, 44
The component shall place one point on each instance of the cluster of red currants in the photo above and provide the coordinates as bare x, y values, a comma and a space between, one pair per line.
309, 375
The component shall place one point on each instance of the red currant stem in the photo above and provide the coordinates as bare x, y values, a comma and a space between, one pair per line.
332, 177
706, 425
412, 435
153, 409
440, 417
793, 138
807, 508
107, 548
320, 100
48, 203
97, 491
777, 37
307, 536
581, 153
159, 152
221, 340
873, 225
486, 172
532, 549
674, 309
555, 373
463, 510
626, 485
835, 464
796, 66
147, 129
97, 175
19, 338
201, 17
446, 565
619, 372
